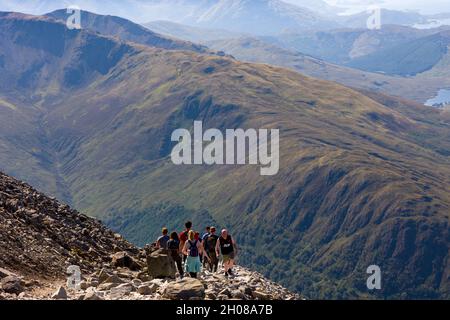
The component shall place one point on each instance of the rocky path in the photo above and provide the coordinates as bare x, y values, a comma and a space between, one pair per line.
123, 284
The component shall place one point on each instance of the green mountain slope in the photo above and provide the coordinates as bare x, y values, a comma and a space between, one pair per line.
363, 180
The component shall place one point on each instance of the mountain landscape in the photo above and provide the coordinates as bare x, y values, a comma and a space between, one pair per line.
364, 177
331, 55
342, 45
52, 238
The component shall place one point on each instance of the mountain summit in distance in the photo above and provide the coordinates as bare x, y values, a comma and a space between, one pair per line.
262, 17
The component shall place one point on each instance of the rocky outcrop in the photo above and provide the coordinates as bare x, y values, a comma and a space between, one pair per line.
12, 285
40, 236
160, 264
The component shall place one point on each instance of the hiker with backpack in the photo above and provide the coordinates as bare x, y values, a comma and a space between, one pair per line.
209, 244
228, 248
184, 235
173, 245
192, 249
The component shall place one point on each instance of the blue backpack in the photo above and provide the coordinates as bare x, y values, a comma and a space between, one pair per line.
193, 251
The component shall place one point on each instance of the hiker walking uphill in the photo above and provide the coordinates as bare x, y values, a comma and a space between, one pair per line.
227, 247
192, 249
173, 246
209, 244
184, 237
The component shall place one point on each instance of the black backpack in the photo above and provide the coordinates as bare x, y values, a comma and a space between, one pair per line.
173, 245
193, 251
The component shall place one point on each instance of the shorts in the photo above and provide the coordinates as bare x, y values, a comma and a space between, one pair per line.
228, 257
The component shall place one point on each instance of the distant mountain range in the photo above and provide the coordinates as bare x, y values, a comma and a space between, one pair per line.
408, 58
330, 54
364, 178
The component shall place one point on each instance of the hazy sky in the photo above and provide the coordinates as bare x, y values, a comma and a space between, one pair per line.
424, 6
126, 7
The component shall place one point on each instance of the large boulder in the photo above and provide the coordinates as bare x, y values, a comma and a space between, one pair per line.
160, 264
186, 289
11, 284
6, 273
124, 260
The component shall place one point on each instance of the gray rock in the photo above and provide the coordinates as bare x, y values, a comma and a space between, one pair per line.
6, 273
103, 275
225, 292
113, 279
136, 282
91, 295
261, 295
11, 284
60, 294
185, 289
210, 294
84, 285
107, 286
124, 260
147, 290
160, 264
121, 291
237, 294
246, 290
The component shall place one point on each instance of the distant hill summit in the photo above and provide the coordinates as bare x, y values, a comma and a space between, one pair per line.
128, 31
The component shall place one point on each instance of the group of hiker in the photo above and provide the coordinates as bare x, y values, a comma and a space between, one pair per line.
190, 251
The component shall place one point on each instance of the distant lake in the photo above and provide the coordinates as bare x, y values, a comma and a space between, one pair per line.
442, 97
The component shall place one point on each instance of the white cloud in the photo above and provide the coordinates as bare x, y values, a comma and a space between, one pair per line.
424, 6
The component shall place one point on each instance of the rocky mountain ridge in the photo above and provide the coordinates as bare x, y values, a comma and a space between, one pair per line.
41, 237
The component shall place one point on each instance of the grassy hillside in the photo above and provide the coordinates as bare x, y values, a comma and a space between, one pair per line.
363, 180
